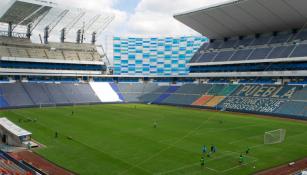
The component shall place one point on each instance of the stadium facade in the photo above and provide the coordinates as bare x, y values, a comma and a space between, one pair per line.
154, 56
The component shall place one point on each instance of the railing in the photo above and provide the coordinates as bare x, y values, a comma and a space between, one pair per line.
14, 34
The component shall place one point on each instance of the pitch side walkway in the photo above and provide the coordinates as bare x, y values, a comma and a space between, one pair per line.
286, 169
40, 163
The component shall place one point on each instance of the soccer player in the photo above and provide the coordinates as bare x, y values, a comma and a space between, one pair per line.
241, 159
204, 149
155, 124
247, 151
202, 161
213, 148
72, 112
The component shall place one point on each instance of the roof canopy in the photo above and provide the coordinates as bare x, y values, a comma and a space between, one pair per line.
23, 12
43, 13
74, 19
14, 129
245, 17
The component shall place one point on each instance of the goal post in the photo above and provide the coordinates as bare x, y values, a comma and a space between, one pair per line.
274, 136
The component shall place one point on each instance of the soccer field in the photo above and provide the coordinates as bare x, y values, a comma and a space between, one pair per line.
120, 139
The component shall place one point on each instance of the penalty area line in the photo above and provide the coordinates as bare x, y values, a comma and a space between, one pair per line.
193, 130
227, 153
238, 166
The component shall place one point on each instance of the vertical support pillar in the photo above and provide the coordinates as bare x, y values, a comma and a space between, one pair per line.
63, 35
46, 35
78, 40
94, 38
10, 30
29, 31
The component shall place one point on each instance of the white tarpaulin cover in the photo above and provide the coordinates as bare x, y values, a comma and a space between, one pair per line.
14, 129
105, 92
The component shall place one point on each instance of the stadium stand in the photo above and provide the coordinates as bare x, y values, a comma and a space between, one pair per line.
203, 100
15, 95
286, 100
40, 94
259, 98
37, 53
37, 93
21, 55
266, 46
55, 54
186, 94
170, 90
9, 165
106, 92
214, 101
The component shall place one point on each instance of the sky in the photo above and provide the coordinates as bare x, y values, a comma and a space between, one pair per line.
143, 17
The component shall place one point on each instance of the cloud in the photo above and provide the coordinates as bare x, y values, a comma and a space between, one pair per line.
97, 5
155, 17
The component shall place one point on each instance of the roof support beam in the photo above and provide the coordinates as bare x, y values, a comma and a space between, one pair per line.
58, 20
74, 22
28, 17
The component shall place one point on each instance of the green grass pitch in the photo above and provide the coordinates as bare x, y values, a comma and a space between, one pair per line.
120, 139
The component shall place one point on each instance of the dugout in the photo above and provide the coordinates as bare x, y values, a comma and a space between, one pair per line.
12, 134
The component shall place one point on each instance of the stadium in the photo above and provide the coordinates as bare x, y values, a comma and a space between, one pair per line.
231, 101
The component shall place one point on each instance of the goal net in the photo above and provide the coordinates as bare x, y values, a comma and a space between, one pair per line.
275, 136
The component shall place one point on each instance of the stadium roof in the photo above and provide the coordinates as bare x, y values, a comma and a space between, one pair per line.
43, 13
14, 129
23, 12
245, 17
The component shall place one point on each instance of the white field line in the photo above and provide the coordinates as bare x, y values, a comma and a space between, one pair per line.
239, 140
132, 165
228, 153
237, 153
238, 166
191, 132
215, 130
197, 163
168, 147
212, 169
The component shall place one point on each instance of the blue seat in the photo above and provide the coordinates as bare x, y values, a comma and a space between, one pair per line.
300, 51
261, 40
260, 53
281, 38
223, 56
241, 55
207, 57
281, 52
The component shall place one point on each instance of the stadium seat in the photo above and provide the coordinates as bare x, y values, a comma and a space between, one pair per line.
300, 51
259, 53
203, 100
214, 101
223, 56
37, 53
241, 55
